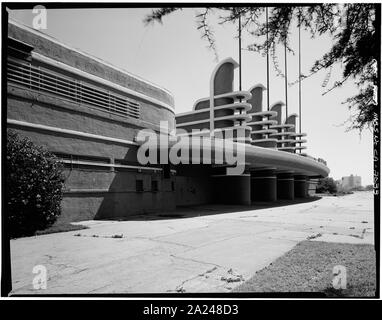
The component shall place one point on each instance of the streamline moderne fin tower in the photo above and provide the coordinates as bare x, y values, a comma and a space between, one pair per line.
273, 167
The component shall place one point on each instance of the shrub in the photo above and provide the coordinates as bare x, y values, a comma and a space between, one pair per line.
326, 185
34, 186
369, 187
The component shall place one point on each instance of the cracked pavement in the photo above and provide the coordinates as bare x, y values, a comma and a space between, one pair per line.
207, 248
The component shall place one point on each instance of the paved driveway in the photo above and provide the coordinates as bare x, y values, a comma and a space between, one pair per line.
203, 249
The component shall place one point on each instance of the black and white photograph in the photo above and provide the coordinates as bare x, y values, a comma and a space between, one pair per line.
182, 150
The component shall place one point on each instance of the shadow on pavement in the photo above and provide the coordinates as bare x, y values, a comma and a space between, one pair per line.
212, 209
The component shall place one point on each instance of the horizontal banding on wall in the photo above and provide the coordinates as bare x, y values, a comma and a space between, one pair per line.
286, 175
151, 110
50, 47
102, 81
69, 132
102, 191
231, 175
49, 109
300, 178
270, 177
263, 172
110, 165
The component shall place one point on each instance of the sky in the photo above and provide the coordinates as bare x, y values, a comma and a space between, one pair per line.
173, 56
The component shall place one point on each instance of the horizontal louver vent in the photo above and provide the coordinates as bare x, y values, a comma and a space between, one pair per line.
43, 80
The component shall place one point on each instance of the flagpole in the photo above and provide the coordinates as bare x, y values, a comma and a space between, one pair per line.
286, 81
240, 52
268, 89
299, 74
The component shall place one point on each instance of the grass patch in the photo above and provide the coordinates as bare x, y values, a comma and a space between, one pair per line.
308, 267
61, 227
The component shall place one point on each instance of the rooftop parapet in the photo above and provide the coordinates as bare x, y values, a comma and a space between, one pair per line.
50, 49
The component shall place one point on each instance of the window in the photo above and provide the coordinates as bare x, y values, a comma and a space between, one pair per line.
154, 186
139, 185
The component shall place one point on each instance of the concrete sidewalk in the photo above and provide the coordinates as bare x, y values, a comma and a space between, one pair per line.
207, 252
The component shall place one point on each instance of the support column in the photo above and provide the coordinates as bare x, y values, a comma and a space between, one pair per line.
285, 186
263, 185
300, 186
229, 189
312, 185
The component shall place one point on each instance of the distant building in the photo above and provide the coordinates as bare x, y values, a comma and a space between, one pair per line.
350, 182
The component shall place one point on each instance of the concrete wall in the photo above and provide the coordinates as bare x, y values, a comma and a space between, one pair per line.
92, 191
193, 185
115, 195
312, 185
50, 48
193, 190
98, 189
232, 189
